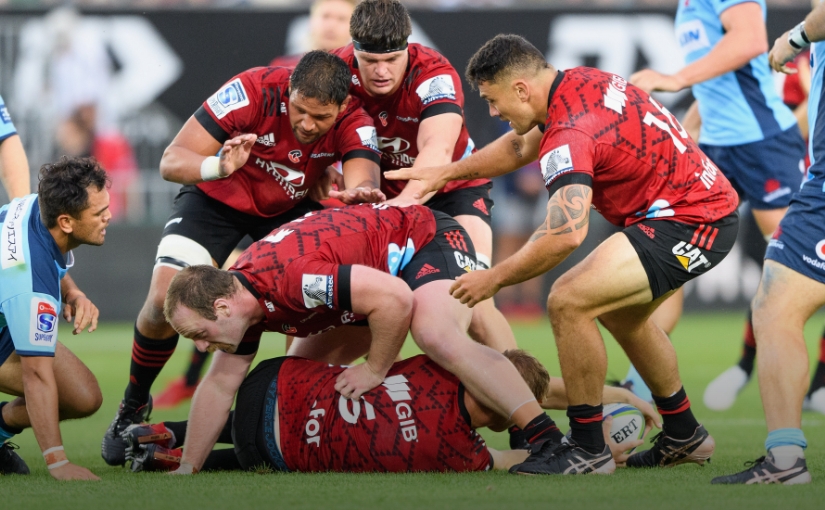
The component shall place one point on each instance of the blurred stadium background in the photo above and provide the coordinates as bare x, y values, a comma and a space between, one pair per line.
117, 79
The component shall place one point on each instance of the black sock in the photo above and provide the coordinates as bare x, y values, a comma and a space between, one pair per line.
749, 347
179, 429
5, 426
541, 428
148, 358
678, 421
222, 460
586, 427
193, 372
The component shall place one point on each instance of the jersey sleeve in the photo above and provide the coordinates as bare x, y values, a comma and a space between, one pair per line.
356, 136
317, 284
7, 128
437, 91
566, 157
720, 6
232, 108
32, 321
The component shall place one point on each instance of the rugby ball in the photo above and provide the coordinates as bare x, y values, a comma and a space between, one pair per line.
628, 423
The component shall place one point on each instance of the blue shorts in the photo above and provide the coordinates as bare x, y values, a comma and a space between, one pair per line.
6, 345
765, 173
799, 242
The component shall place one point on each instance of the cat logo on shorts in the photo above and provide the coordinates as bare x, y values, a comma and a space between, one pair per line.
689, 256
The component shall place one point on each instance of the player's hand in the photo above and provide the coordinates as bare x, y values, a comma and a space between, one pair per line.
651, 416
402, 201
80, 309
475, 287
235, 152
619, 452
355, 381
73, 472
649, 81
321, 190
360, 195
432, 178
184, 469
782, 53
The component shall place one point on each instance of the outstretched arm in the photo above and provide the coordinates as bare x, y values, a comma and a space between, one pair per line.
14, 167
563, 230
506, 154
783, 51
210, 408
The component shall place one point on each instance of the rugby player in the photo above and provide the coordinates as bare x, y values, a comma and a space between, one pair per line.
277, 131
792, 287
606, 143
289, 417
51, 384
414, 96
14, 166
315, 276
747, 131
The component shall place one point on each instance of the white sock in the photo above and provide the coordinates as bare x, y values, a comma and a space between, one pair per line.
785, 456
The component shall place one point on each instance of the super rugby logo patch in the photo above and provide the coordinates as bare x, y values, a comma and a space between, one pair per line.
368, 136
437, 87
317, 290
44, 323
555, 163
230, 97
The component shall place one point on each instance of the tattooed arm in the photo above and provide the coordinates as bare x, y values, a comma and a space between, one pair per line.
563, 230
506, 154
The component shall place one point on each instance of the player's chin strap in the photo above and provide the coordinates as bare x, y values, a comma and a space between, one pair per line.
378, 48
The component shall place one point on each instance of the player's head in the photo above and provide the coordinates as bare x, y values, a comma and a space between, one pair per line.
505, 71
329, 23
379, 30
318, 94
200, 304
74, 201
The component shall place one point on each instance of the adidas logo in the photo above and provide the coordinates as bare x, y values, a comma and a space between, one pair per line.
427, 269
481, 206
268, 140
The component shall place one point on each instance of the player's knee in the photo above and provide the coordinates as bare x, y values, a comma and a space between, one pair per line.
560, 304
152, 310
439, 346
87, 399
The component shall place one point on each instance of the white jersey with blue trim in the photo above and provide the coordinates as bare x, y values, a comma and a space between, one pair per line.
31, 267
741, 106
6, 125
816, 120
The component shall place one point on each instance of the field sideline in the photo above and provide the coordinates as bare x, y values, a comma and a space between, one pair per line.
707, 344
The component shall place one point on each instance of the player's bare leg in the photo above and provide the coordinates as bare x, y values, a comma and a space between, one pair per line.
439, 328
722, 391
340, 346
78, 392
611, 284
488, 325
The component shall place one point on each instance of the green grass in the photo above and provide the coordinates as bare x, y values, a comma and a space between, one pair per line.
707, 344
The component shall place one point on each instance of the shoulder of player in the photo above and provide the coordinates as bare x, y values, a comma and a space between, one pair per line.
424, 55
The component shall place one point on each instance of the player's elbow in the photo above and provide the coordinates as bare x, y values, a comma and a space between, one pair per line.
167, 163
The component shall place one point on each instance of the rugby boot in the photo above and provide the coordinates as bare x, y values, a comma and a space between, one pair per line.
10, 462
566, 458
153, 457
113, 448
139, 434
764, 470
721, 393
667, 451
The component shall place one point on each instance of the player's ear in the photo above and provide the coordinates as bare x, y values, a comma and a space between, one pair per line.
221, 307
66, 223
522, 90
344, 104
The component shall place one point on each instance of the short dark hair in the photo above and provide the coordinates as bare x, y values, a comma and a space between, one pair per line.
503, 53
321, 76
64, 187
380, 23
531, 370
197, 288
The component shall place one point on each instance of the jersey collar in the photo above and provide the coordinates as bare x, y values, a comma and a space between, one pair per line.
556, 82
245, 282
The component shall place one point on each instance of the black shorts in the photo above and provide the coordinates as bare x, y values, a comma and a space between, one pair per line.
218, 227
674, 253
473, 201
253, 432
449, 255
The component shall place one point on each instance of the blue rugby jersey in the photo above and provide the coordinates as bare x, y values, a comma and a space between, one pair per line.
6, 125
31, 267
816, 121
741, 106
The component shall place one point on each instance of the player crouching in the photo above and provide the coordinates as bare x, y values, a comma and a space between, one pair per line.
289, 417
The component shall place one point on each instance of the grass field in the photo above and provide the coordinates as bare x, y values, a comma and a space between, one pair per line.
707, 344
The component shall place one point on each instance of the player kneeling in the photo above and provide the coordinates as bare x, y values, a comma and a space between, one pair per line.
289, 417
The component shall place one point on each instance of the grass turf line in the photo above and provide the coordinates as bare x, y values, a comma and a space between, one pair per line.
706, 344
